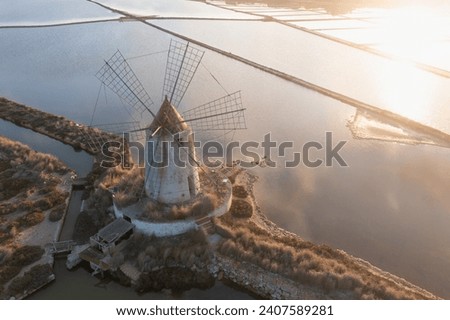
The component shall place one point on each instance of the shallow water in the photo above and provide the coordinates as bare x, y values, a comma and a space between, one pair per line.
388, 206
81, 162
49, 11
80, 285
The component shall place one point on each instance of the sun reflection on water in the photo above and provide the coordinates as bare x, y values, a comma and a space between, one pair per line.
414, 31
406, 91
412, 34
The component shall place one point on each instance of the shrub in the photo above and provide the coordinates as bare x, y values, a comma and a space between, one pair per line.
84, 228
197, 236
4, 165
15, 186
8, 272
178, 212
2, 256
5, 234
57, 213
345, 282
52, 199
241, 209
31, 280
43, 204
204, 205
29, 220
25, 255
240, 192
25, 205
7, 208
224, 231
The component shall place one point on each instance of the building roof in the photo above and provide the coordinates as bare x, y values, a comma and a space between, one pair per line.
114, 230
168, 118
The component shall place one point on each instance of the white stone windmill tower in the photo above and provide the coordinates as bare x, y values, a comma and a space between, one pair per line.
167, 181
172, 167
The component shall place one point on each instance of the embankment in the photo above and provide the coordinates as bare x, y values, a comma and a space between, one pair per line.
274, 263
79, 136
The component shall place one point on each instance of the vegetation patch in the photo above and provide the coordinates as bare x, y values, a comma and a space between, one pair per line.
152, 253
25, 255
177, 279
199, 207
304, 262
29, 220
21, 257
7, 208
88, 223
57, 213
15, 187
8, 272
4, 165
241, 208
51, 200
240, 192
6, 233
177, 263
31, 280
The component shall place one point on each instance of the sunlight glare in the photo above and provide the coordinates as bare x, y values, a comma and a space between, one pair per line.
405, 91
412, 31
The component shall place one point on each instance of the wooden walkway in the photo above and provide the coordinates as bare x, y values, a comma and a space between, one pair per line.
61, 246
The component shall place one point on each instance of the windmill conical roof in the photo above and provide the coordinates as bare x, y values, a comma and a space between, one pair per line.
168, 118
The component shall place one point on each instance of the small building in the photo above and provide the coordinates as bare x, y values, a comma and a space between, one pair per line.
110, 236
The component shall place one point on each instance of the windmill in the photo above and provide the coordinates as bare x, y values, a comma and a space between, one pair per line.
167, 132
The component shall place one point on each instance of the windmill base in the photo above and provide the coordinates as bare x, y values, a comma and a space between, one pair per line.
152, 218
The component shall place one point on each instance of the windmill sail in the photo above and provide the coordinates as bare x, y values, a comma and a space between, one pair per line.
226, 113
96, 138
132, 129
118, 76
182, 63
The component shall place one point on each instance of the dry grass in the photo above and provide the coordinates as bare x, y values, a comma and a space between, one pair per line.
202, 205
28, 182
304, 262
57, 213
7, 208
183, 251
26, 161
51, 200
28, 220
4, 165
6, 234
31, 280
129, 184
241, 209
239, 191
20, 258
15, 187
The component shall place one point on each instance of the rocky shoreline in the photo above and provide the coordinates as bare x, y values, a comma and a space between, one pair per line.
274, 263
244, 247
